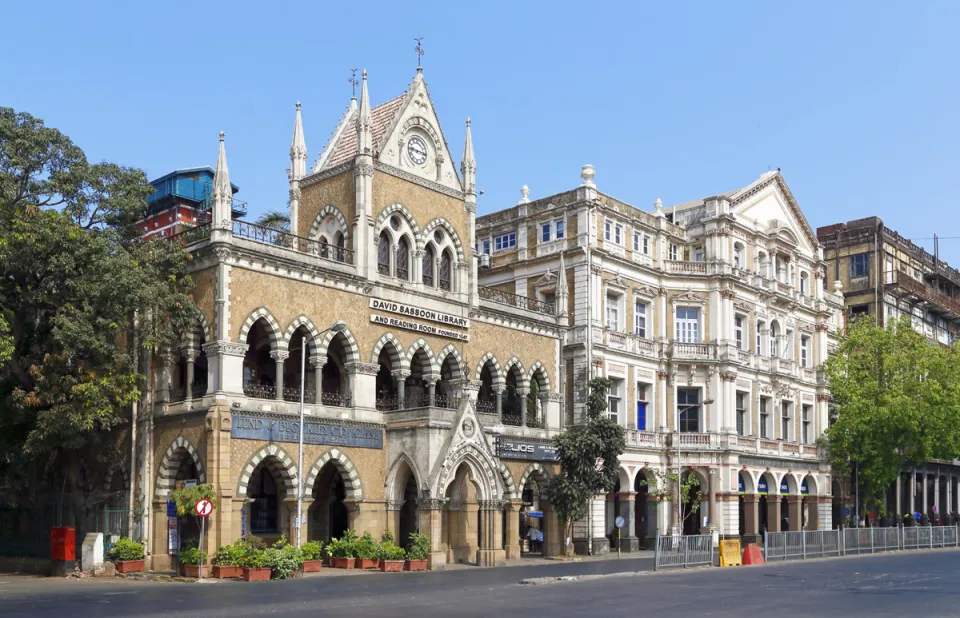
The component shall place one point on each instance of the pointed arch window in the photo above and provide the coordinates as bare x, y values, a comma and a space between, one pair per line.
446, 264
340, 243
429, 261
383, 254
403, 259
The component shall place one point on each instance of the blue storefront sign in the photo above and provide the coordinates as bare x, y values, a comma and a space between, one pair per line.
762, 486
171, 509
784, 488
272, 430
740, 487
804, 490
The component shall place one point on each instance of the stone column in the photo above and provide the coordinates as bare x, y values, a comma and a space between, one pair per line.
431, 524
363, 384
714, 515
431, 390
499, 400
278, 357
773, 513
936, 492
489, 552
628, 510
794, 514
552, 533
913, 493
899, 505
813, 513
522, 395
512, 509
190, 356
318, 362
392, 507
926, 504
163, 376
751, 516
401, 376
225, 366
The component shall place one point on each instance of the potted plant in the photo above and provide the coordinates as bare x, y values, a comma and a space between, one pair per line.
366, 552
391, 557
227, 559
255, 566
127, 554
284, 559
192, 560
342, 551
312, 556
417, 552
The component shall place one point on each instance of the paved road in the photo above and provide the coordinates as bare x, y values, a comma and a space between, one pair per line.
899, 584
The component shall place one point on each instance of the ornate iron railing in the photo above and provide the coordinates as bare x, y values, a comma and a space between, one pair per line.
515, 300
534, 422
260, 391
286, 240
292, 393
488, 406
514, 420
336, 400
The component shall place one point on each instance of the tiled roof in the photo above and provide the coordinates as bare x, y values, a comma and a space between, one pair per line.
346, 147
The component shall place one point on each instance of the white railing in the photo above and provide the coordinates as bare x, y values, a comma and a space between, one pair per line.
683, 267
647, 347
614, 338
697, 351
683, 551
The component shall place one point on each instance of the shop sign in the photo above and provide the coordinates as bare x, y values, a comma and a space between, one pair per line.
740, 487
173, 536
421, 313
804, 490
426, 329
517, 449
784, 488
762, 486
272, 430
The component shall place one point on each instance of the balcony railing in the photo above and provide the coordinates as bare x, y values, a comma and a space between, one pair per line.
197, 391
514, 420
534, 422
336, 400
682, 267
917, 288
390, 404
695, 351
260, 391
193, 234
514, 300
286, 240
488, 406
292, 393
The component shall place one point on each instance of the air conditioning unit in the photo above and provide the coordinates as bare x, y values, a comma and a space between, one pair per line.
484, 260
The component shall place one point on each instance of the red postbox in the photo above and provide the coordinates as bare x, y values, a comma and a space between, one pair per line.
63, 543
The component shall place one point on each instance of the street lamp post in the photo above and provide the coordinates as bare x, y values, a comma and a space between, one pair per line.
338, 326
678, 530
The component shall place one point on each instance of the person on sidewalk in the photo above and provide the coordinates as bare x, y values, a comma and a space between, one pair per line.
532, 536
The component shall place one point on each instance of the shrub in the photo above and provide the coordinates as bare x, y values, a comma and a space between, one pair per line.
193, 555
386, 537
419, 546
126, 549
366, 547
231, 555
282, 541
389, 551
344, 547
312, 550
284, 561
254, 543
256, 559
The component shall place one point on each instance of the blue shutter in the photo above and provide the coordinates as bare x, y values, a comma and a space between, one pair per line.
641, 415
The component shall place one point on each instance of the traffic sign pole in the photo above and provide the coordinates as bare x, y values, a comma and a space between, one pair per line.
203, 521
202, 508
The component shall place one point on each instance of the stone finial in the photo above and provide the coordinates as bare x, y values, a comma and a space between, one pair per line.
658, 205
524, 195
587, 173
837, 286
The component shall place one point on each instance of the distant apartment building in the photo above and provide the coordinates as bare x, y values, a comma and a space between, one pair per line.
182, 200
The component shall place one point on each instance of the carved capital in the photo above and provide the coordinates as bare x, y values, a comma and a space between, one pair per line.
729, 294
279, 355
430, 504
400, 374
318, 362
728, 376
227, 348
362, 170
553, 396
471, 207
190, 354
369, 369
822, 327
295, 193
823, 397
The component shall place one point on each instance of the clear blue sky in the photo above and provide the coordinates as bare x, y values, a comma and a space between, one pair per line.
857, 102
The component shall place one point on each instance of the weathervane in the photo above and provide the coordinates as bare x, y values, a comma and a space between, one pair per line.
353, 82
418, 49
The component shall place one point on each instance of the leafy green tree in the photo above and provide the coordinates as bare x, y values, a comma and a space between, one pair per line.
589, 459
82, 295
896, 404
274, 219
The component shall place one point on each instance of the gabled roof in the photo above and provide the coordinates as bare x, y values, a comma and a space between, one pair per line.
345, 147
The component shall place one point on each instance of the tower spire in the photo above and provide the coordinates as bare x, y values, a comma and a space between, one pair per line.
563, 294
298, 149
222, 190
468, 166
364, 120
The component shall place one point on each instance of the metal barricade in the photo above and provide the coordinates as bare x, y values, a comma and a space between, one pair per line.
911, 538
950, 536
683, 551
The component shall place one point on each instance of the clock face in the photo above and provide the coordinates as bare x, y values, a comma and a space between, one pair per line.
417, 150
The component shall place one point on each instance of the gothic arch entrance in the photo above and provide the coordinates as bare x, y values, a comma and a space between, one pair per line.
328, 516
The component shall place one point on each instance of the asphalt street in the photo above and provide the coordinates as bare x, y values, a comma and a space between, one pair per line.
924, 583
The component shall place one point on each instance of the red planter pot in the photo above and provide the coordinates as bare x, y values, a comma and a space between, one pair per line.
129, 566
226, 572
368, 563
415, 565
193, 570
391, 566
256, 575
312, 566
342, 563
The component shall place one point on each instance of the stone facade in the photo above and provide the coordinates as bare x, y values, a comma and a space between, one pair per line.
714, 311
413, 372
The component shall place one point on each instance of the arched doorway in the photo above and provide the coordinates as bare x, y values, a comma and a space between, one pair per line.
764, 484
462, 512
451, 376
644, 513
532, 532
511, 404
329, 516
691, 511
418, 392
405, 494
811, 512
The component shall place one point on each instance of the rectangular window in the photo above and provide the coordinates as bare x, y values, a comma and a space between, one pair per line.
765, 417
559, 229
688, 325
646, 245
613, 312
860, 265
804, 351
636, 242
505, 241
618, 234
785, 420
760, 326
741, 413
607, 230
688, 409
672, 252
698, 254
641, 406
737, 256
805, 438
545, 232
640, 319
738, 330
613, 400
486, 247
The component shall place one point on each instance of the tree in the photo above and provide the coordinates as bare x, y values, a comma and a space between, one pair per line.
896, 405
274, 219
691, 492
82, 294
589, 459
